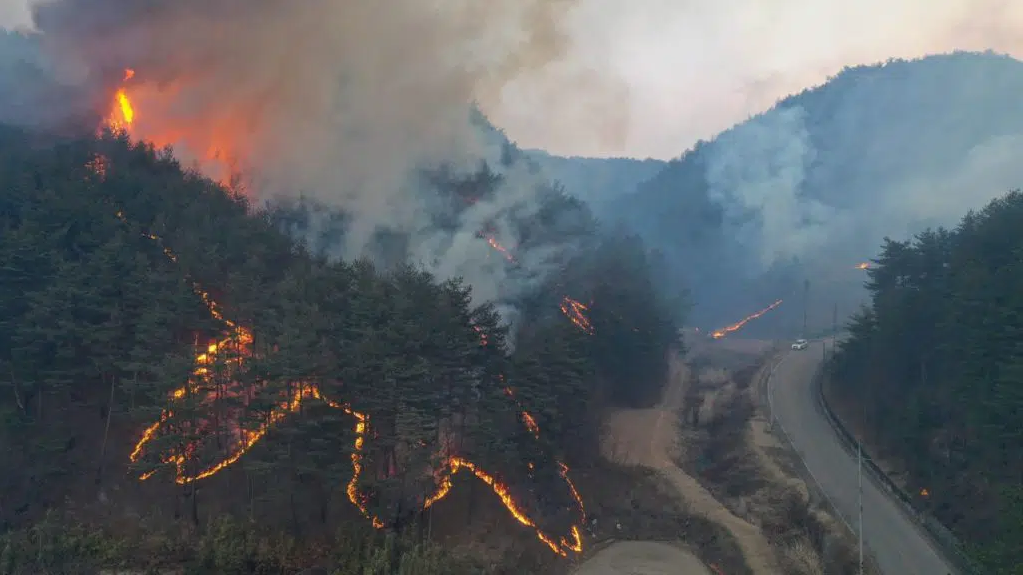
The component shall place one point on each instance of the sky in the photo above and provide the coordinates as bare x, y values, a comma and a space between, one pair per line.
650, 77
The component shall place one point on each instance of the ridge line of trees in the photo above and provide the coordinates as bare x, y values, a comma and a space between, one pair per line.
935, 364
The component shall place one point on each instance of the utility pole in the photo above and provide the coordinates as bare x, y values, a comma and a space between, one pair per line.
834, 328
859, 478
806, 302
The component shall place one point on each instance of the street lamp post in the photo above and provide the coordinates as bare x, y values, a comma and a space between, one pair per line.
859, 479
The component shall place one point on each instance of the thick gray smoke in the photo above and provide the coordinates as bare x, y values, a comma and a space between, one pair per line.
809, 189
338, 100
882, 159
756, 173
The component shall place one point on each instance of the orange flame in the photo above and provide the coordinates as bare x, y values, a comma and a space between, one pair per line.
241, 340
863, 266
573, 310
527, 418
218, 161
737, 326
457, 464
497, 246
576, 313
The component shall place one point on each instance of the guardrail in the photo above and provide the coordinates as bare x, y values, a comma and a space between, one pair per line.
940, 535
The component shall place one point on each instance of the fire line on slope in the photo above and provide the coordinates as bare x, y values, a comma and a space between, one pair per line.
738, 325
240, 340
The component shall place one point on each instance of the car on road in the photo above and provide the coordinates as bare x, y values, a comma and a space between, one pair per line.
800, 344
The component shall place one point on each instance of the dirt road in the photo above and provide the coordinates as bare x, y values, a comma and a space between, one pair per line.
897, 543
642, 558
648, 437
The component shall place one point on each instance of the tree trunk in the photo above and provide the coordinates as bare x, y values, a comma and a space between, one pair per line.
106, 431
195, 506
14, 387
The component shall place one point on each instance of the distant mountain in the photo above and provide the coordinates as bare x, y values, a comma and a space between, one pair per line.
596, 180
809, 188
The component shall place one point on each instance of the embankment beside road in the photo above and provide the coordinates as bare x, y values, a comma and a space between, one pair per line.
942, 537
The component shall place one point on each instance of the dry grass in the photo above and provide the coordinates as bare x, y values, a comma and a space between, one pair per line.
649, 508
733, 455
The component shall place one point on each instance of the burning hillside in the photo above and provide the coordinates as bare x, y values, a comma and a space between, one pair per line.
342, 103
741, 323
228, 428
238, 345
251, 128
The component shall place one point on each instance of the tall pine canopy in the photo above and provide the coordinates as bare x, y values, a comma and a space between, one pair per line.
935, 365
139, 298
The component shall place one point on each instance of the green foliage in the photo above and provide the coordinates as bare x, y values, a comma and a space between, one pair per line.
937, 359
53, 547
224, 547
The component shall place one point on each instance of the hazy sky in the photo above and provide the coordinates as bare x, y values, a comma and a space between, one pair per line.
663, 73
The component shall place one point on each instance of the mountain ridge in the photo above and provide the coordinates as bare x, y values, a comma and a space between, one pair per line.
808, 188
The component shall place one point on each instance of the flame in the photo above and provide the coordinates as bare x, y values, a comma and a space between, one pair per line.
240, 339
456, 464
736, 326
122, 114
863, 266
527, 418
575, 312
216, 152
496, 245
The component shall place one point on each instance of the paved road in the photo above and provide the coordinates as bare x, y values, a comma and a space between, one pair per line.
894, 539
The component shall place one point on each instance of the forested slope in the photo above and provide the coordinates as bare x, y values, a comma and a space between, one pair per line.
935, 366
808, 188
154, 325
597, 181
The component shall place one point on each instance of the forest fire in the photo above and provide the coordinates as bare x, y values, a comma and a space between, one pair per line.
527, 418
863, 266
575, 312
210, 142
456, 464
738, 325
497, 246
239, 341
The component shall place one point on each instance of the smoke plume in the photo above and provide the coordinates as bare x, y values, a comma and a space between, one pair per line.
809, 189
341, 101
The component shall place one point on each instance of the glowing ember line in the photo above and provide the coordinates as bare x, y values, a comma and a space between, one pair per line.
737, 326
573, 310
241, 339
457, 464
496, 245
576, 313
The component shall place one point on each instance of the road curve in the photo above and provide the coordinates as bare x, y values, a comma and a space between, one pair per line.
895, 540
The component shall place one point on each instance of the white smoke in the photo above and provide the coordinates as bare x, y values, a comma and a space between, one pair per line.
756, 172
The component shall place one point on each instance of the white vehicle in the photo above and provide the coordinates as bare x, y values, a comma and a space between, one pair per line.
800, 344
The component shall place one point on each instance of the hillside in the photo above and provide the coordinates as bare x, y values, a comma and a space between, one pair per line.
808, 188
931, 375
596, 181
187, 385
